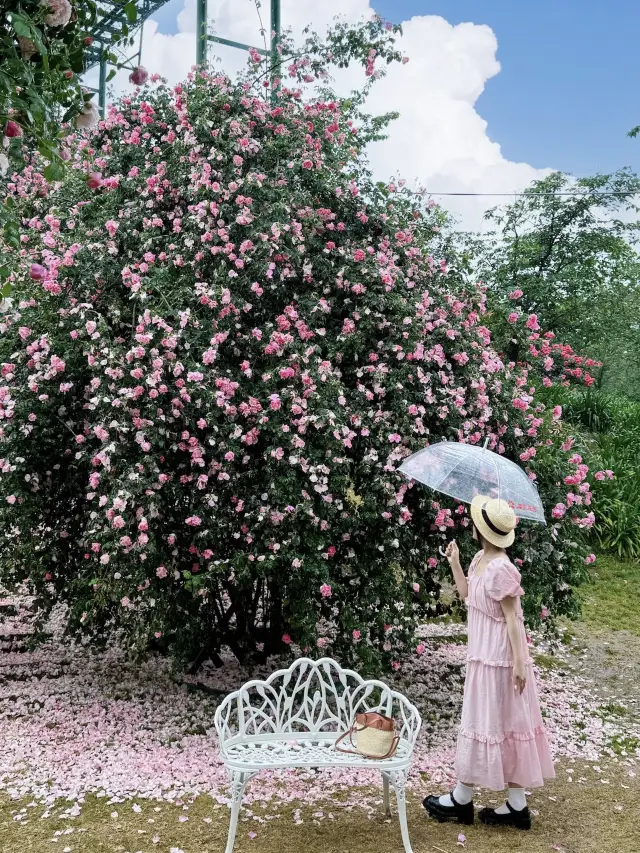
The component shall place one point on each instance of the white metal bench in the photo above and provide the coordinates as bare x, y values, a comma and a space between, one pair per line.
293, 720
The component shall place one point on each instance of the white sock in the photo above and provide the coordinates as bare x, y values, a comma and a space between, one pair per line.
463, 795
517, 799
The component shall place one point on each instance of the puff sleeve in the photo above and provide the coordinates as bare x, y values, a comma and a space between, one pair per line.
503, 580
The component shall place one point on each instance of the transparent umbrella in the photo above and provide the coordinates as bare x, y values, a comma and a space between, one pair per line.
463, 471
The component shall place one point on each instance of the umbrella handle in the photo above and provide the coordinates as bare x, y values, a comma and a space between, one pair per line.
442, 552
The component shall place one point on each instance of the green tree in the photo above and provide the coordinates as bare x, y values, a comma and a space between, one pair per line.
570, 247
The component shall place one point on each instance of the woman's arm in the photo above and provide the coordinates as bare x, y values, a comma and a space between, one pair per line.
453, 556
509, 608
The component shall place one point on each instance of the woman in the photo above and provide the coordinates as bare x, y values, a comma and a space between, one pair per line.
502, 742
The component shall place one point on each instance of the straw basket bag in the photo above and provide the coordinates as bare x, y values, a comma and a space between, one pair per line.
375, 737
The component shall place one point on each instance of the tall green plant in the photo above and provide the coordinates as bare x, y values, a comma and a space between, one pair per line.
569, 246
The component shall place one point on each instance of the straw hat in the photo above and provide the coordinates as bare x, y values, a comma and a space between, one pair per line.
494, 519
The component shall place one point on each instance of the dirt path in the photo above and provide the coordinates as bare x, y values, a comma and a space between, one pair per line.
612, 660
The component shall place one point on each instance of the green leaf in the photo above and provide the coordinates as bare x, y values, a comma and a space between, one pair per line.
76, 61
54, 171
131, 12
21, 26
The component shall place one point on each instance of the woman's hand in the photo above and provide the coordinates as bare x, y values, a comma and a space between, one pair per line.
453, 556
519, 676
452, 553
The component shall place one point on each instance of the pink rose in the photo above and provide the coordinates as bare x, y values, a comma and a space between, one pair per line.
194, 521
513, 317
359, 255
590, 558
325, 590
59, 13
286, 639
420, 649
557, 413
600, 475
88, 117
12, 129
94, 180
139, 76
416, 587
37, 272
356, 635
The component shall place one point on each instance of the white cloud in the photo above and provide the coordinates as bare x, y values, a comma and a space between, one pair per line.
440, 140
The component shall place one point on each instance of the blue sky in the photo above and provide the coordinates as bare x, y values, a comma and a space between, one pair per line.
569, 87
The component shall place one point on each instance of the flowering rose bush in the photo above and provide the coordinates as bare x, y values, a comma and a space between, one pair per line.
228, 337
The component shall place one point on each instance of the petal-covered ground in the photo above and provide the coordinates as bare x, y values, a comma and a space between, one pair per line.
74, 722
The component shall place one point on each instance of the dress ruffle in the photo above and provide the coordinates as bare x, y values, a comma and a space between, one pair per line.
472, 659
524, 761
532, 735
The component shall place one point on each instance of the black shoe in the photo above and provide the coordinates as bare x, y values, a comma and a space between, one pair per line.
518, 819
454, 814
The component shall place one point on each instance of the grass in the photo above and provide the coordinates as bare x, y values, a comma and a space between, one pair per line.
610, 601
579, 816
547, 662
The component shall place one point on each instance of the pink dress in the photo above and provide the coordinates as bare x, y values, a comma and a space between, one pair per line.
502, 737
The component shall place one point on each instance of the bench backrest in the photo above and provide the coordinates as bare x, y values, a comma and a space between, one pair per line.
311, 696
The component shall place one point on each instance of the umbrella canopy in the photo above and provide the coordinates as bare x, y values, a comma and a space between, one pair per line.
463, 471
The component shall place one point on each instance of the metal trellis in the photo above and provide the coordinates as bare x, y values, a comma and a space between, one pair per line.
108, 26
203, 39
106, 30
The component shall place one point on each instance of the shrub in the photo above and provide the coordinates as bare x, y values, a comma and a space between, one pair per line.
593, 410
617, 499
228, 338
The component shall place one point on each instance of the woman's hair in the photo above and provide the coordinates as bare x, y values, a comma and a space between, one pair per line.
481, 540
479, 536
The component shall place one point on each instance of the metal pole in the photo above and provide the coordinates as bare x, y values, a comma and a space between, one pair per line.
275, 41
102, 85
201, 32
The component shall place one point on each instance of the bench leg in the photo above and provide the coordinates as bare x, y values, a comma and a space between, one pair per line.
399, 783
385, 790
238, 784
